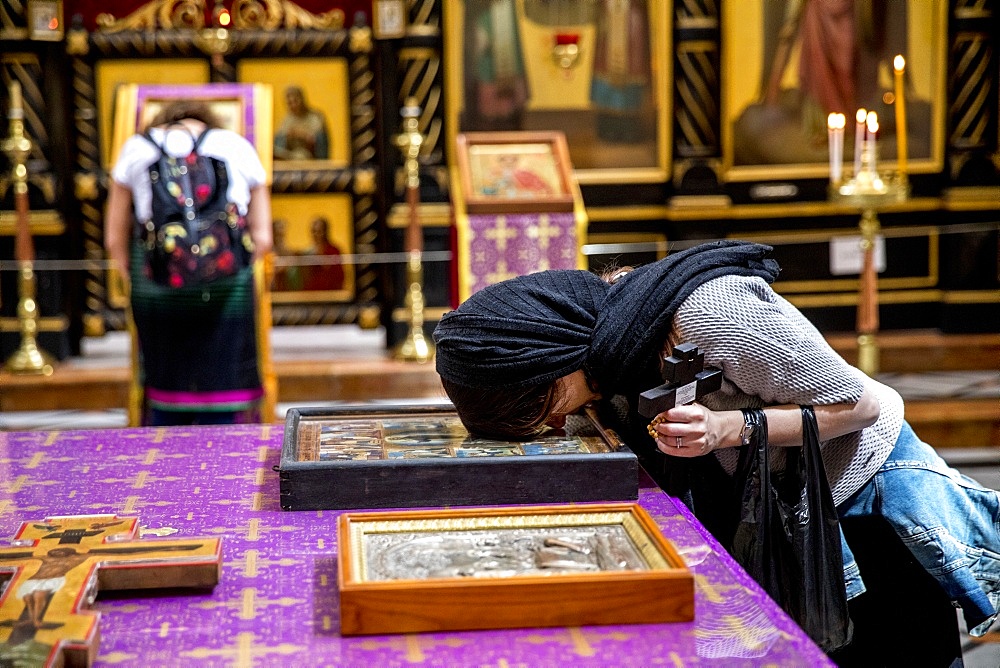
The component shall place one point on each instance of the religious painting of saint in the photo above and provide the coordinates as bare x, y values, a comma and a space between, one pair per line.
313, 243
302, 134
310, 112
399, 456
788, 64
596, 70
512, 171
504, 566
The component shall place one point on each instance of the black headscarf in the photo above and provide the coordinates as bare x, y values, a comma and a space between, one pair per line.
533, 329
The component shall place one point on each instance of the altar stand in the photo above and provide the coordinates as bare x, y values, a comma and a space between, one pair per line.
277, 601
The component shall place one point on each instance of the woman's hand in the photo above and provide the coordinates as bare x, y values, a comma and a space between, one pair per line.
693, 430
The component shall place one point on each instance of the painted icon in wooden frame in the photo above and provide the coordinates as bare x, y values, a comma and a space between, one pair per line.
45, 20
311, 109
597, 70
242, 108
368, 456
507, 567
515, 172
112, 76
787, 65
313, 243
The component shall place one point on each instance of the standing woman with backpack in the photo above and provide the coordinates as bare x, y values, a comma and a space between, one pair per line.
188, 212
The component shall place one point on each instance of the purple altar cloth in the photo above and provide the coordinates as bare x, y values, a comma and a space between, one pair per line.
277, 601
506, 245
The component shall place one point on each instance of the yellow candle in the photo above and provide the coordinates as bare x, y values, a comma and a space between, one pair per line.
898, 66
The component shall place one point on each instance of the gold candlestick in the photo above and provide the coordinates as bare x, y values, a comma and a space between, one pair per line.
415, 347
28, 358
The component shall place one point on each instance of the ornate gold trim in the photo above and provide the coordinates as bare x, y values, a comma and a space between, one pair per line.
246, 15
361, 40
157, 15
58, 323
431, 215
43, 222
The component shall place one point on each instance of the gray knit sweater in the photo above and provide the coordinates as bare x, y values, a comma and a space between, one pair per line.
771, 354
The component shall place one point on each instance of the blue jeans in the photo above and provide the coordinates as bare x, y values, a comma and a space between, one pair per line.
949, 522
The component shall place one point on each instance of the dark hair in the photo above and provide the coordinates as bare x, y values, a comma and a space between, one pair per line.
513, 413
178, 110
502, 413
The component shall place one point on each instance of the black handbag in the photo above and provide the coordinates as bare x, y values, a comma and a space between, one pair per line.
788, 535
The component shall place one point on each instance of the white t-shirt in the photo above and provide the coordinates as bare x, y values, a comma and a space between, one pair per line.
242, 164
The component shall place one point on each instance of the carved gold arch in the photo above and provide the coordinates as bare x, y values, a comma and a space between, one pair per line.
247, 15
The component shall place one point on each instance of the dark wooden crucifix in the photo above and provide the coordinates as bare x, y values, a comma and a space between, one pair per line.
685, 380
60, 563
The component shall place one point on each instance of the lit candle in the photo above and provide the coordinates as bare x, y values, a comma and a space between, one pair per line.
859, 139
898, 65
872, 124
14, 110
835, 133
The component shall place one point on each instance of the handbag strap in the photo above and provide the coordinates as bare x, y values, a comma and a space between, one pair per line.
757, 449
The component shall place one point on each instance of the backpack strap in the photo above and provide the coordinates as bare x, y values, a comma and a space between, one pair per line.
199, 139
195, 141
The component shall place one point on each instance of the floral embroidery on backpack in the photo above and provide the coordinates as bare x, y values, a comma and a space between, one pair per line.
195, 235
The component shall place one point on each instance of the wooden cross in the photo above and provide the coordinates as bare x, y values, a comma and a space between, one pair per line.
685, 381
60, 563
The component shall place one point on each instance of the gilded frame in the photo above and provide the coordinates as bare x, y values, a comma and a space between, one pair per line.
632, 135
768, 133
515, 172
652, 585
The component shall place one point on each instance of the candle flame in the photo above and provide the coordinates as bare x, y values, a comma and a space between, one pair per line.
872, 125
872, 118
836, 121
861, 115
898, 63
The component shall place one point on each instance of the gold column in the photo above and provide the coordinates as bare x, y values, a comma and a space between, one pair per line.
28, 358
415, 347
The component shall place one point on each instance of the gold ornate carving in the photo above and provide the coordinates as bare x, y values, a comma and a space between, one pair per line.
157, 15
76, 42
247, 14
271, 14
364, 181
93, 325
361, 40
369, 317
85, 186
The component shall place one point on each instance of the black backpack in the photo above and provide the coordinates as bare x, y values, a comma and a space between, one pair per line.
195, 235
